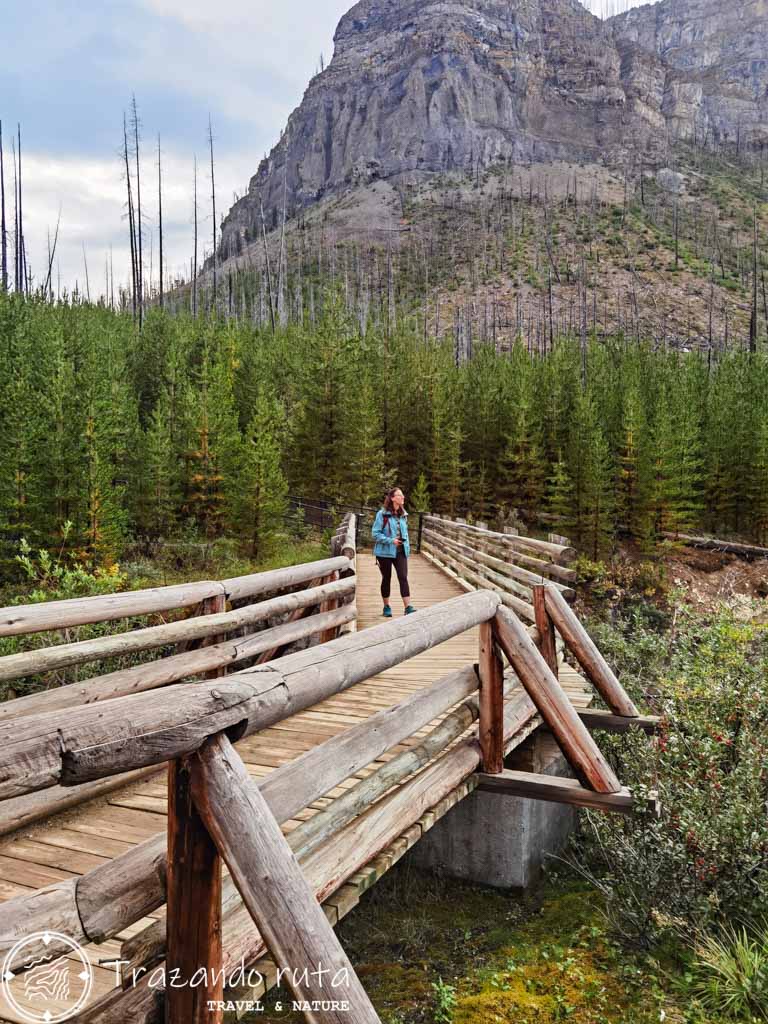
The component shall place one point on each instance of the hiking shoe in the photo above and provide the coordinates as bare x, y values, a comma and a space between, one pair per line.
410, 610
387, 612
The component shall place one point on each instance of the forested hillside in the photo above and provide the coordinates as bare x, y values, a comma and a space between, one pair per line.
204, 426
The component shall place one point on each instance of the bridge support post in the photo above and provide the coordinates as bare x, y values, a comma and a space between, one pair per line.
214, 606
500, 840
329, 606
491, 671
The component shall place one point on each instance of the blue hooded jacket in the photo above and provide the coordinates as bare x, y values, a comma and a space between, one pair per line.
386, 527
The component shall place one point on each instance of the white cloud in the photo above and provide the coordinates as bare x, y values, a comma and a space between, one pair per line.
91, 197
246, 63
254, 58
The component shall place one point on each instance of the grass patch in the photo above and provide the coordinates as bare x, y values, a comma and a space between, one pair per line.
434, 950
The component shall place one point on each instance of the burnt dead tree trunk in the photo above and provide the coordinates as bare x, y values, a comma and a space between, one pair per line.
23, 279
753, 325
194, 255
131, 225
213, 206
139, 246
3, 231
160, 215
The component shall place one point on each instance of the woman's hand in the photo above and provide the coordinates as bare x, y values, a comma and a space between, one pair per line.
398, 542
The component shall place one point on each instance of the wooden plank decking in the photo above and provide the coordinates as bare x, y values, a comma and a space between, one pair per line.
76, 841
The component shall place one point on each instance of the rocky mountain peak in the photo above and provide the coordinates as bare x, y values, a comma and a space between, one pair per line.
424, 87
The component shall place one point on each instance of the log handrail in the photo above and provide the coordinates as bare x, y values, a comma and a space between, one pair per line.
217, 812
150, 728
103, 902
465, 573
507, 568
358, 842
558, 553
47, 659
17, 620
501, 543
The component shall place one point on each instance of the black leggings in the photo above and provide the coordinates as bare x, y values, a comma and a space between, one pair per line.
400, 562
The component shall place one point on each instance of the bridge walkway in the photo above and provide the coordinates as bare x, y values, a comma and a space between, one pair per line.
76, 841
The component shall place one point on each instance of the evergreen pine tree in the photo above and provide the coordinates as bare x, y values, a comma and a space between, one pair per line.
560, 496
420, 500
162, 479
758, 489
361, 437
260, 503
593, 475
633, 469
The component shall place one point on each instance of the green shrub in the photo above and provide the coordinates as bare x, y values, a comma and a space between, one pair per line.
54, 578
445, 1001
704, 861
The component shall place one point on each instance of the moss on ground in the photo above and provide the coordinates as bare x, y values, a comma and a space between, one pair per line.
434, 951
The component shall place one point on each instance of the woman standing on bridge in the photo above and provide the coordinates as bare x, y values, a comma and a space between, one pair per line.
393, 548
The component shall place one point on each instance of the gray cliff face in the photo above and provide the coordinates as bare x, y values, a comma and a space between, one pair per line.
712, 58
444, 85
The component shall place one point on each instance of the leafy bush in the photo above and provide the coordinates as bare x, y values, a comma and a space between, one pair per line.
445, 1001
53, 578
705, 860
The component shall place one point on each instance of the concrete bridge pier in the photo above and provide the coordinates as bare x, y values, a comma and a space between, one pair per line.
499, 840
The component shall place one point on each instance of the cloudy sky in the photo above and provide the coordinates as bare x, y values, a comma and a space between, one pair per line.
69, 70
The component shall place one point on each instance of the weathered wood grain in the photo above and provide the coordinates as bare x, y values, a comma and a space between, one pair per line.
501, 545
133, 885
546, 631
194, 907
465, 570
207, 624
491, 672
558, 553
274, 888
552, 702
25, 810
506, 568
260, 583
594, 718
588, 656
564, 791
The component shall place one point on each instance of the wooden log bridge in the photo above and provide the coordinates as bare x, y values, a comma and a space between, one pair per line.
182, 820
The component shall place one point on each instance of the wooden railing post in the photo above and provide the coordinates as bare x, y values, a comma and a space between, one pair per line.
545, 626
214, 606
329, 606
275, 890
194, 908
491, 672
